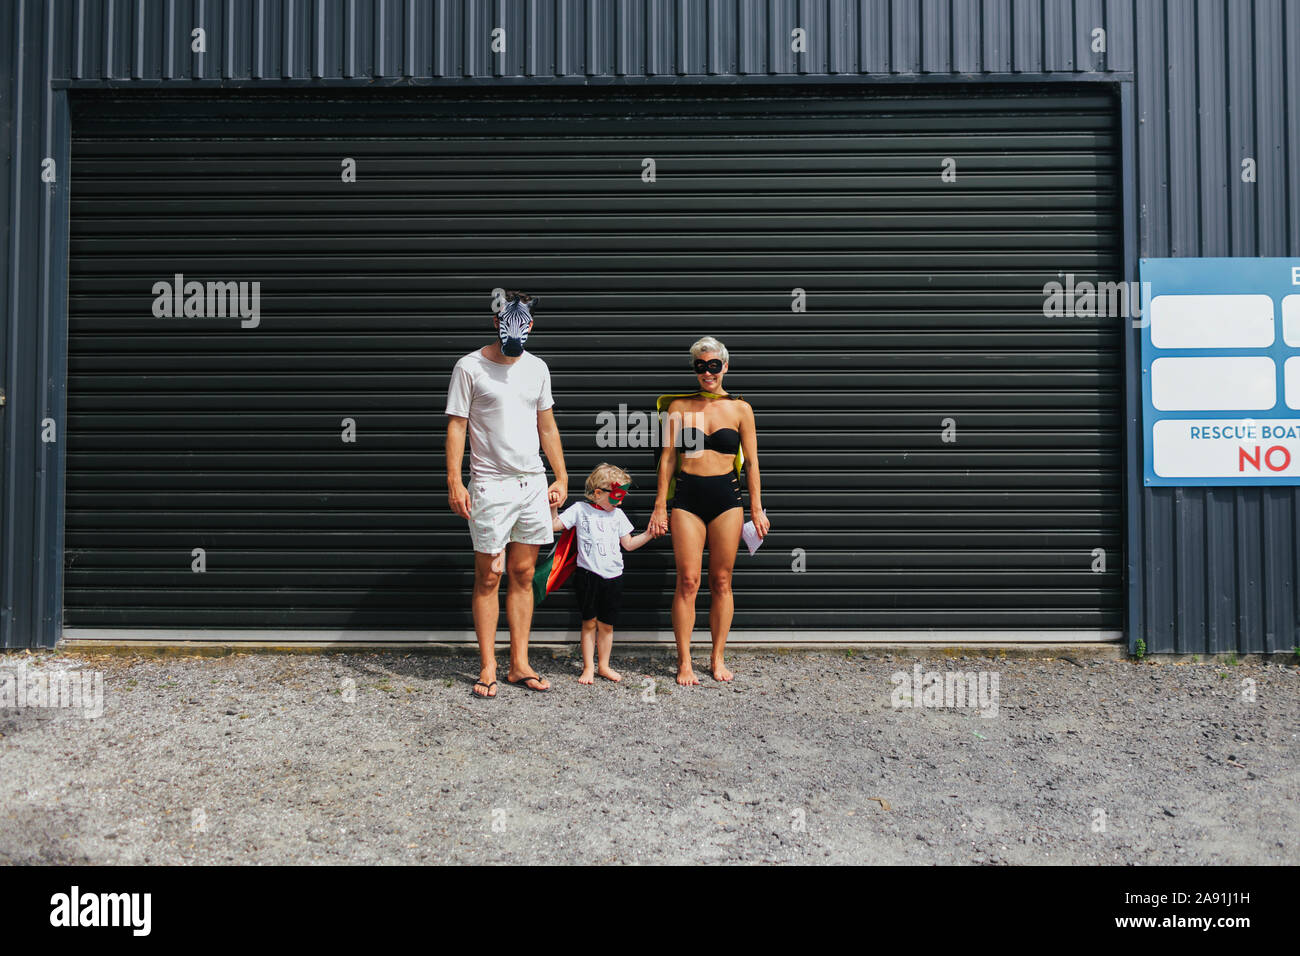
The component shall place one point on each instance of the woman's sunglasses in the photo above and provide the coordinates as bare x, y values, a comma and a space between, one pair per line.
712, 366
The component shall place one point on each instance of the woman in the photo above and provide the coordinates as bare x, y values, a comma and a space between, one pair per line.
712, 426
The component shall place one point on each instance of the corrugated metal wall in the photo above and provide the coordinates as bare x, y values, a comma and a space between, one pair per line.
33, 285
1216, 81
424, 39
1219, 83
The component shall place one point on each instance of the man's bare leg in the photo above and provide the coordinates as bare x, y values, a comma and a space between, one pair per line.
521, 561
688, 533
485, 605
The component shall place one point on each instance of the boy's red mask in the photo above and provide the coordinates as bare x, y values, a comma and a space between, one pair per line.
616, 492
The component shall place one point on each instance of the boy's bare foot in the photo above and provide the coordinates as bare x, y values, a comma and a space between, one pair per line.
720, 671
608, 673
588, 676
486, 686
686, 675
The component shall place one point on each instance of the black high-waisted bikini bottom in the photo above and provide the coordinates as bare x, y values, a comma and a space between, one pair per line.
707, 496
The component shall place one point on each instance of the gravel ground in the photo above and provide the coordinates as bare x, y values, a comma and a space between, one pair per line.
269, 759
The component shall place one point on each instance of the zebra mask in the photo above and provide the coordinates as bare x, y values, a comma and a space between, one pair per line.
515, 319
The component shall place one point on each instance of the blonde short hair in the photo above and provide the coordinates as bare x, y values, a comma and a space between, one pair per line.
709, 344
605, 472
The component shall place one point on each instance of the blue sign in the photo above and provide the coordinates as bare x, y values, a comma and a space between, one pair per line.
1221, 371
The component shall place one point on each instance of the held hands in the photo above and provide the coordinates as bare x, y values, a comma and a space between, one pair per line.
658, 521
557, 493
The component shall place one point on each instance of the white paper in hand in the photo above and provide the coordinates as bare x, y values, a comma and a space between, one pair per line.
749, 535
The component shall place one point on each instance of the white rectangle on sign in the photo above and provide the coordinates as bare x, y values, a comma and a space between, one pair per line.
1211, 321
1291, 320
1245, 383
1291, 380
1226, 448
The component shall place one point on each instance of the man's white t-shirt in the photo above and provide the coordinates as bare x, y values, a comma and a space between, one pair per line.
599, 531
501, 402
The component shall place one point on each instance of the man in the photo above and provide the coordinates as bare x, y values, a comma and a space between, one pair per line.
501, 395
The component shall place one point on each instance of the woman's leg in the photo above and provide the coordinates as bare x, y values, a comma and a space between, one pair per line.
724, 541
688, 548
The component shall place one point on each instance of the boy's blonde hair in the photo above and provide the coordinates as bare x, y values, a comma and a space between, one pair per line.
605, 473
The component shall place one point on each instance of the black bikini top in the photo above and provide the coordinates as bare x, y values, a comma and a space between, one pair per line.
725, 440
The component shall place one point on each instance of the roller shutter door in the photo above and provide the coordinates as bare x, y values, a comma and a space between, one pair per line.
924, 305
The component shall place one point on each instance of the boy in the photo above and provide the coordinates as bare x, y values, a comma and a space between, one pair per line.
603, 531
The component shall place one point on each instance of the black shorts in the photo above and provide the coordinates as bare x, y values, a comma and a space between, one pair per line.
707, 496
598, 597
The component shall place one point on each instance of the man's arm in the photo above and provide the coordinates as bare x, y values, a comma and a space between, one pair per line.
549, 433
457, 494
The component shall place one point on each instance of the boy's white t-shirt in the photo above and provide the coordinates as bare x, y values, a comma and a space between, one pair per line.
501, 402
599, 531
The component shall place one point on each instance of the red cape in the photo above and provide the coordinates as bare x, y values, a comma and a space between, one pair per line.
557, 567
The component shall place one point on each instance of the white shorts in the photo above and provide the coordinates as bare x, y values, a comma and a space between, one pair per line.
509, 509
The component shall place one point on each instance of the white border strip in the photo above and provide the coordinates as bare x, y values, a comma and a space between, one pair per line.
123, 634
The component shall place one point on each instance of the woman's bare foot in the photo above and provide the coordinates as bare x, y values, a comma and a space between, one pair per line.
608, 673
588, 676
720, 671
486, 686
686, 675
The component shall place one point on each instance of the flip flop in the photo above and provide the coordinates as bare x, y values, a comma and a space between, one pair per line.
523, 682
479, 683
